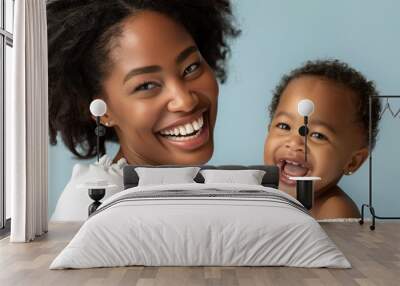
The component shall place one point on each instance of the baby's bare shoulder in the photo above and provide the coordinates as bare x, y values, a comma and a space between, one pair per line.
336, 204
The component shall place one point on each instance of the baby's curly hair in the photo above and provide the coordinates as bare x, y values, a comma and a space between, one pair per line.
341, 73
79, 37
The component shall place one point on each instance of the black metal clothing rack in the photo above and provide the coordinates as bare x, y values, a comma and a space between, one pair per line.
369, 205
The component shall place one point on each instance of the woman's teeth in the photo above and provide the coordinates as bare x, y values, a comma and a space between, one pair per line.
188, 130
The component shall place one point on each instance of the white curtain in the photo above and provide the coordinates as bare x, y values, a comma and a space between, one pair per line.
27, 123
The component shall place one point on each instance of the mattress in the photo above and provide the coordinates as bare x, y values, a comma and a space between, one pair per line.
200, 225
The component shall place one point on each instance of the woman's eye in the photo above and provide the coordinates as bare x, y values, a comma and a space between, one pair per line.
190, 69
318, 136
283, 126
146, 86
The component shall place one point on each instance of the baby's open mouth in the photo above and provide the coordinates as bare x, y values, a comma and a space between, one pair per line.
185, 131
289, 168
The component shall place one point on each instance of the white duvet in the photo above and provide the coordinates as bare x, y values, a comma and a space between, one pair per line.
206, 230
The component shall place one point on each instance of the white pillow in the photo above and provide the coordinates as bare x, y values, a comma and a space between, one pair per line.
248, 177
162, 176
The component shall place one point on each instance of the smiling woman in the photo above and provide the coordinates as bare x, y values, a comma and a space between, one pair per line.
152, 91
155, 64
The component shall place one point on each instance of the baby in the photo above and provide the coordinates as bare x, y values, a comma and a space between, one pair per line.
338, 131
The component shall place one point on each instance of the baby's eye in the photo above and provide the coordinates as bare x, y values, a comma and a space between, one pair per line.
318, 136
283, 126
146, 86
192, 68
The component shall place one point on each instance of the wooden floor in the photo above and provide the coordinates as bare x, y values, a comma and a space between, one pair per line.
374, 255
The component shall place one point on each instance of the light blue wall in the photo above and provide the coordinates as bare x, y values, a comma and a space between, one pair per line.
279, 35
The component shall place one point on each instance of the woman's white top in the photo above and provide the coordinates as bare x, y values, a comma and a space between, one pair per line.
74, 201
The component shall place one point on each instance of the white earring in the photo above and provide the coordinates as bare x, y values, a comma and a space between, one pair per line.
349, 173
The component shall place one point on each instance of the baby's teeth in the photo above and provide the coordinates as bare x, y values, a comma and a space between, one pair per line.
189, 128
293, 163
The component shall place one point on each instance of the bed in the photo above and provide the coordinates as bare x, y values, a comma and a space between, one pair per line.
201, 224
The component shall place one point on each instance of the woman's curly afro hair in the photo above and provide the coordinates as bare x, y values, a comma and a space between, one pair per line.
79, 36
340, 73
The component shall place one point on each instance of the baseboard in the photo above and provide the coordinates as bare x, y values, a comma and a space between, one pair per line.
343, 220
5, 231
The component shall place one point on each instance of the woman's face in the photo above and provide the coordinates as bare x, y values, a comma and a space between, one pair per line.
160, 93
335, 140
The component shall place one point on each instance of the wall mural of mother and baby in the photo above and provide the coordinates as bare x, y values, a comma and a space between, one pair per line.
158, 66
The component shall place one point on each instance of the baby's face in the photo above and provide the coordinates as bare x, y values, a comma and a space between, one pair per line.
334, 133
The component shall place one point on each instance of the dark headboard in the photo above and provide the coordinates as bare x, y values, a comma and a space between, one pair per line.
270, 179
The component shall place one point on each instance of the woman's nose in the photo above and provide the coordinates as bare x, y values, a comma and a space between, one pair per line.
182, 99
295, 143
